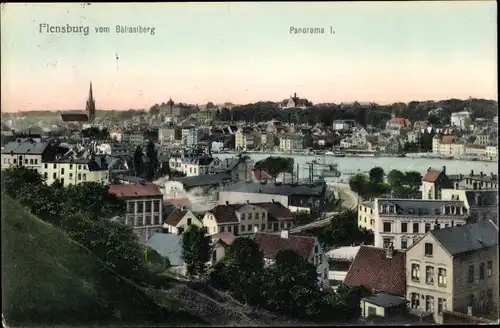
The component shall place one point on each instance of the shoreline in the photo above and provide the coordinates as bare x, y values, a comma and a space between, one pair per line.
272, 153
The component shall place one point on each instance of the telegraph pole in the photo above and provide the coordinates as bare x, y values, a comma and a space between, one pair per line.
311, 171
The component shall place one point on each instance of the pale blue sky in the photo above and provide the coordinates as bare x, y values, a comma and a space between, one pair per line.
244, 52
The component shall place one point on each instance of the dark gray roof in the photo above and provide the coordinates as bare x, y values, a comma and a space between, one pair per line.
203, 180
385, 300
277, 189
482, 197
131, 179
25, 147
167, 245
420, 206
202, 160
468, 237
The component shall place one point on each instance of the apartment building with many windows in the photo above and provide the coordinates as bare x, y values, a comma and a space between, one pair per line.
455, 269
401, 222
144, 212
74, 172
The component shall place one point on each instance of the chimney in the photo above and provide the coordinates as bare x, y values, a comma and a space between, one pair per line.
471, 173
461, 176
284, 234
469, 311
429, 169
481, 173
389, 252
248, 202
295, 94
272, 200
444, 169
227, 202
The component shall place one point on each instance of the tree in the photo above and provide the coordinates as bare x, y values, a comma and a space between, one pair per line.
15, 178
395, 177
138, 161
210, 105
275, 165
152, 164
195, 250
241, 271
155, 109
377, 175
358, 183
291, 286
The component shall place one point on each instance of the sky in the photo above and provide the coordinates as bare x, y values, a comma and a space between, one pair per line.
244, 52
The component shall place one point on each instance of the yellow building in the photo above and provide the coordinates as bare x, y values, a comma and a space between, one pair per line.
365, 216
74, 172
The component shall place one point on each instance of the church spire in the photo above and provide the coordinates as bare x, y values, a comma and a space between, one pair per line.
90, 107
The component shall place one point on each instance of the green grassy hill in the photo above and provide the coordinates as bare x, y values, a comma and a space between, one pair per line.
49, 278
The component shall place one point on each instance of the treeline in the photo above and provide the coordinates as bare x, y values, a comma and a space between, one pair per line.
288, 287
396, 184
374, 114
85, 212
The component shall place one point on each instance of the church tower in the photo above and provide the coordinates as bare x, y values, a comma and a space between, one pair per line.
90, 107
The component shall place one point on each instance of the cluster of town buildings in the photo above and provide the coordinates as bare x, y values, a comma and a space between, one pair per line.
433, 258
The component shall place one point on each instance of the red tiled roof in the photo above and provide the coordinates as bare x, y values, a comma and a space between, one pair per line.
226, 237
400, 121
261, 175
271, 244
448, 139
431, 176
373, 270
135, 190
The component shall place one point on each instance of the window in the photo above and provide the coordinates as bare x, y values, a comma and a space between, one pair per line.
79, 176
404, 243
71, 166
243, 216
140, 207
250, 227
71, 175
320, 258
62, 181
441, 305
269, 226
45, 175
148, 206
316, 249
471, 274
156, 206
416, 228
429, 304
442, 277
189, 221
243, 227
62, 170
84, 177
20, 162
481, 271
325, 274
372, 311
404, 227
437, 226
427, 227
263, 227
54, 175
429, 274
387, 227
221, 228
490, 268
489, 299
45, 165
387, 242
428, 249
31, 161
36, 161
415, 300
415, 272
54, 166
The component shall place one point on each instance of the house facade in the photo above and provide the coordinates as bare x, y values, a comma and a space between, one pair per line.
178, 220
365, 215
309, 248
244, 219
455, 269
72, 172
402, 222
